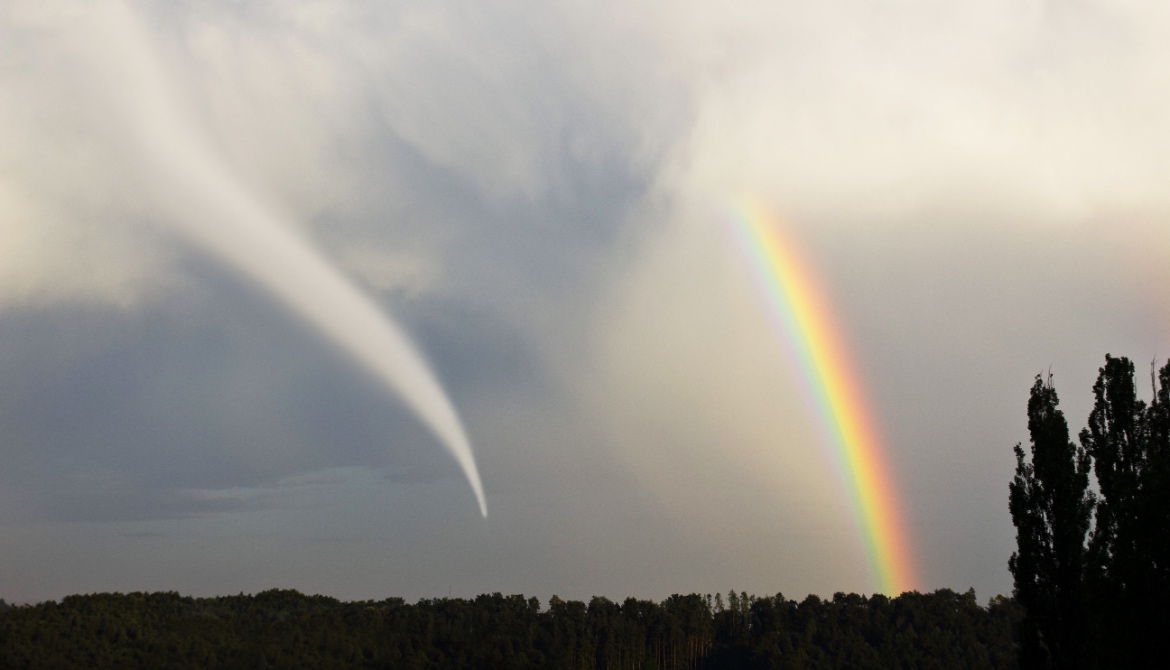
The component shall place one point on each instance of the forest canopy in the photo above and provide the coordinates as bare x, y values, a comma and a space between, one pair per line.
286, 629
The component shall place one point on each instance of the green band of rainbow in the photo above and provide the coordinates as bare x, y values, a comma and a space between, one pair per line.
802, 315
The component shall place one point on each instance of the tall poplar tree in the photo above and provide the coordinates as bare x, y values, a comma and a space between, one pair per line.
1128, 568
1051, 508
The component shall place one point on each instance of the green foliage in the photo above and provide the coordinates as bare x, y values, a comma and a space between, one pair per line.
284, 629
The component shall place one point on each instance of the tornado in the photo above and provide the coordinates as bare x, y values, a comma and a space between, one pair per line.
202, 199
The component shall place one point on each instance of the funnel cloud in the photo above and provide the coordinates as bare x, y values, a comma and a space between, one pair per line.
212, 208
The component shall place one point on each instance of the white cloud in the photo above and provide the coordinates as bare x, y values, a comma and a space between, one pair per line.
877, 110
67, 215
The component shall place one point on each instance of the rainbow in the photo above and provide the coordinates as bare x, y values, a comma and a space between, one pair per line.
802, 314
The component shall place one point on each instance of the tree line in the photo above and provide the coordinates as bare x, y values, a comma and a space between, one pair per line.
285, 629
1092, 560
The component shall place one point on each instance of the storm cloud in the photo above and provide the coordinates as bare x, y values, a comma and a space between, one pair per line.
534, 190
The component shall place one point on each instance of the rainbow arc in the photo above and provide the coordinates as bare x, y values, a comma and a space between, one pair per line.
801, 313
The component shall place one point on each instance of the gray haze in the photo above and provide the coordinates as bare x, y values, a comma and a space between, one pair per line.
533, 190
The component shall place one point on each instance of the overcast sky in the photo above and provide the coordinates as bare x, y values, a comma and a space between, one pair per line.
537, 193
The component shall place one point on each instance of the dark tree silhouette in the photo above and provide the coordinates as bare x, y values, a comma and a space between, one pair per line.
1051, 509
1104, 605
1128, 558
284, 629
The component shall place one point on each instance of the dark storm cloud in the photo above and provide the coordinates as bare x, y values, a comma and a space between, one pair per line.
146, 414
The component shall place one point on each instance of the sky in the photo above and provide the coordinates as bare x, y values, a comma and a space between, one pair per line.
536, 194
